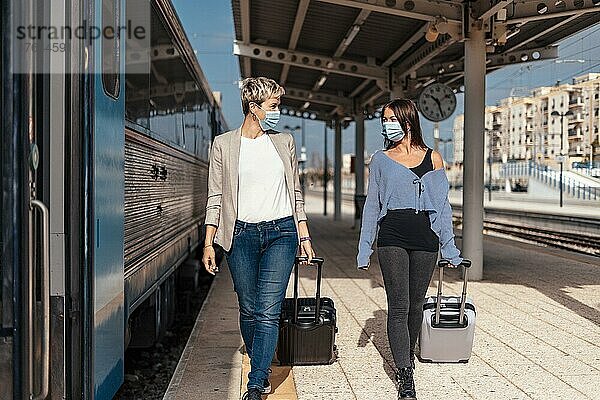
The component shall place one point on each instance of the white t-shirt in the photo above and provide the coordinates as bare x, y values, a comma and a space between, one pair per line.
262, 192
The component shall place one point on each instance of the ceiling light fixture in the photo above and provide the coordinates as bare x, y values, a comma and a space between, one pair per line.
321, 81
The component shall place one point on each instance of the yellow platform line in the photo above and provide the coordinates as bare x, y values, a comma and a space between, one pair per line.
282, 381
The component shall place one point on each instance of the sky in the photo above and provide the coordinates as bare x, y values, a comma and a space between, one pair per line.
209, 26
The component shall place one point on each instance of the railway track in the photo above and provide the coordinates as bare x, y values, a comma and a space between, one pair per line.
577, 242
573, 233
570, 233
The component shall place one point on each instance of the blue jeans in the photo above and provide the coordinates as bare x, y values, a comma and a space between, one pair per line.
261, 259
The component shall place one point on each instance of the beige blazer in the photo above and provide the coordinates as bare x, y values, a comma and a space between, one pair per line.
221, 207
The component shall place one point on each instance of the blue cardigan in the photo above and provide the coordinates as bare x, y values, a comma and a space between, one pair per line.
394, 186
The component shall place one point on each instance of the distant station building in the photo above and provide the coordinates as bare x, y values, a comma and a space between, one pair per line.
523, 128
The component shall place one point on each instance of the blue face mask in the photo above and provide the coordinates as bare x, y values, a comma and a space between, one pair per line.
393, 131
270, 121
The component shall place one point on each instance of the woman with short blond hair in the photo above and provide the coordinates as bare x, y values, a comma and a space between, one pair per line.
255, 211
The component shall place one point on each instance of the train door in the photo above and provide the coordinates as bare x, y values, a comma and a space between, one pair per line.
11, 251
107, 130
25, 265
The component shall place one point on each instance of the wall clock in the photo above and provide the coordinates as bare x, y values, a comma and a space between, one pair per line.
437, 102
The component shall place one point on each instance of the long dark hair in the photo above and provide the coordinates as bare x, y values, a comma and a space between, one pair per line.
407, 114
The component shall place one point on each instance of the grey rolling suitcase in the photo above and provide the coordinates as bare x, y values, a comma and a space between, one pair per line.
448, 325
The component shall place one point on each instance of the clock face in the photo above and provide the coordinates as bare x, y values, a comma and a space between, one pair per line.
437, 102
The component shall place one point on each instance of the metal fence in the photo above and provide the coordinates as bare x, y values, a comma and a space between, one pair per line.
593, 172
551, 178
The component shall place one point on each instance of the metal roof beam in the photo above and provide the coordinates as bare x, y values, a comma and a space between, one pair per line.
523, 42
245, 17
344, 43
299, 113
461, 75
317, 97
498, 61
493, 9
415, 9
535, 11
493, 60
420, 57
368, 100
406, 46
309, 60
349, 36
295, 35
360, 88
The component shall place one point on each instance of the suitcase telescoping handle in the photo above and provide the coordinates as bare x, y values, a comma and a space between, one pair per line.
318, 261
463, 298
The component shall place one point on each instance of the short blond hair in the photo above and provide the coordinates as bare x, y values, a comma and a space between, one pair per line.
258, 90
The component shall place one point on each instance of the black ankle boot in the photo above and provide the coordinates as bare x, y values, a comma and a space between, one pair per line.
406, 384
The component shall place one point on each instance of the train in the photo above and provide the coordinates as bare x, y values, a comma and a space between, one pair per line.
104, 168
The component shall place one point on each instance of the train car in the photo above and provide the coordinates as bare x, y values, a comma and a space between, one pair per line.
104, 151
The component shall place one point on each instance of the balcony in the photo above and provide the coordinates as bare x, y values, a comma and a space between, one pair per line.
529, 128
575, 135
576, 119
576, 102
575, 150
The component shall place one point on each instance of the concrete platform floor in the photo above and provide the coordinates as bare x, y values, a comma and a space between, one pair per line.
537, 332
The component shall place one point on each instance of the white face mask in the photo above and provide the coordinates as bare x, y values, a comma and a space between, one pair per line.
393, 131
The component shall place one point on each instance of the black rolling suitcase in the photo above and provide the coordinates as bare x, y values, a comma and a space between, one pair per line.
307, 326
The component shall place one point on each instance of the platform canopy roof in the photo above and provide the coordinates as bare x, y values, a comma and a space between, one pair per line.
336, 57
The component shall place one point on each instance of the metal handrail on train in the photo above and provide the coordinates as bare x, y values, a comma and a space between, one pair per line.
45, 291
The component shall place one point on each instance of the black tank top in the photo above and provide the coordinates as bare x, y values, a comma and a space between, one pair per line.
407, 229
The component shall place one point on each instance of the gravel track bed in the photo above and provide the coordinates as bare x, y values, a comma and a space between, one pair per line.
148, 371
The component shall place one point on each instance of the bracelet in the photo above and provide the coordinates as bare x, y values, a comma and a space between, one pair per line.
208, 245
304, 239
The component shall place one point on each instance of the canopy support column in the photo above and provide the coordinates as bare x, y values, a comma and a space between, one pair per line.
359, 164
472, 244
337, 171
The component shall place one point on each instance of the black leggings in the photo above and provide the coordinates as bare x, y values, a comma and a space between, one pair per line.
406, 276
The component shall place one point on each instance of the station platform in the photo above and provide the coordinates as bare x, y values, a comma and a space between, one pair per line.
531, 203
537, 330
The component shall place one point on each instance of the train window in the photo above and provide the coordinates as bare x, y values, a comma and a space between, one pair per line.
111, 46
137, 67
169, 100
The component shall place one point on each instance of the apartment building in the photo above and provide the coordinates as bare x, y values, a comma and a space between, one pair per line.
523, 128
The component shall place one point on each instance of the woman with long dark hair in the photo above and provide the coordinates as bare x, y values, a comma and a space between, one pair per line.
407, 200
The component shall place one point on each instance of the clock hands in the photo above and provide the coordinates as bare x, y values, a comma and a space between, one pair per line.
438, 104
